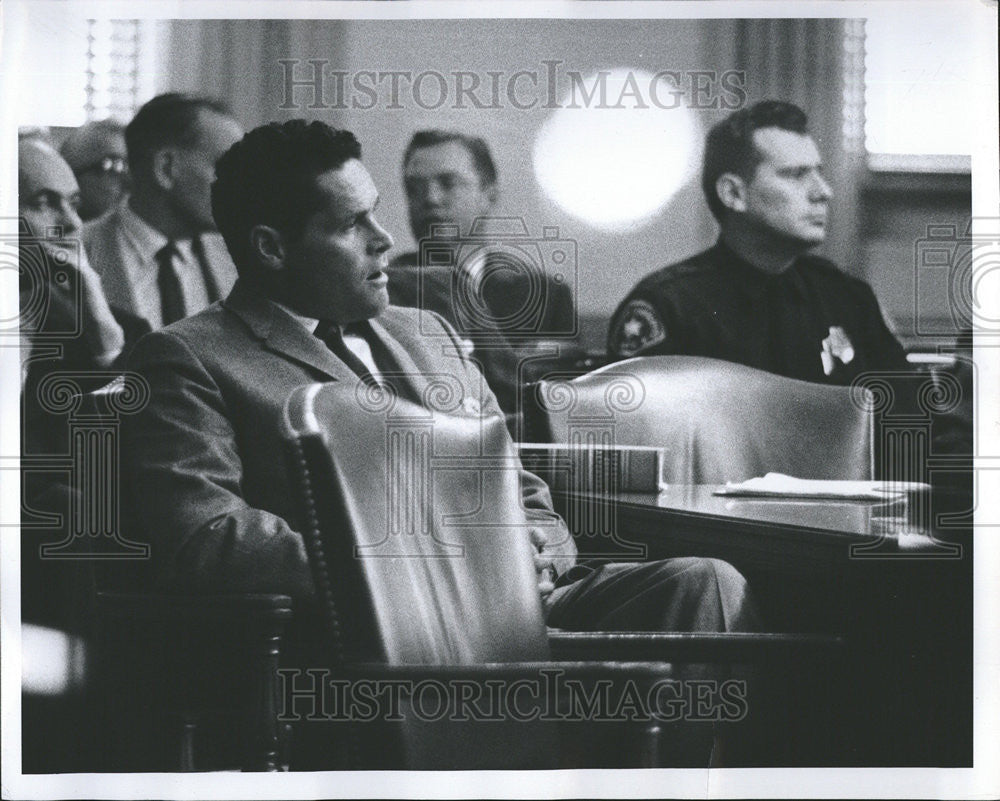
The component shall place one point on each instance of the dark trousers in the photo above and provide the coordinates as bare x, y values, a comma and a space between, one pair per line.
685, 594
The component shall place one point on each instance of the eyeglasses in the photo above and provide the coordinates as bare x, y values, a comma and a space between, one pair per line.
108, 164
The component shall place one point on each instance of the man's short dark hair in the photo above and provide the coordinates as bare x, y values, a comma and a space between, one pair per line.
730, 148
482, 160
167, 120
269, 178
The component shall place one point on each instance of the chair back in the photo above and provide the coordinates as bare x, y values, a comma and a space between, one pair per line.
421, 556
717, 421
415, 529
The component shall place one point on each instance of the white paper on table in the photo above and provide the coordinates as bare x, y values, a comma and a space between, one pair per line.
778, 485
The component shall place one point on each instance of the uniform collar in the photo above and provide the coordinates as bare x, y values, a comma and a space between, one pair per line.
753, 278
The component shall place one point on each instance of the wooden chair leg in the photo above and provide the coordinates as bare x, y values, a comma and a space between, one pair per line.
189, 729
651, 745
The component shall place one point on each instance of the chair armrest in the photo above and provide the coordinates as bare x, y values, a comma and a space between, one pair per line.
689, 647
196, 608
510, 671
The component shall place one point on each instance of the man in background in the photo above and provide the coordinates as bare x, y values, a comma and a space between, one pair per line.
502, 303
66, 321
158, 252
97, 155
758, 296
69, 334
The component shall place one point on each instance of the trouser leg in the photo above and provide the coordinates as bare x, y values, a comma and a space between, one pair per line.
685, 594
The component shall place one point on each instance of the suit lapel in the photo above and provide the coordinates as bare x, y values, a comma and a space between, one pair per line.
107, 257
414, 378
284, 335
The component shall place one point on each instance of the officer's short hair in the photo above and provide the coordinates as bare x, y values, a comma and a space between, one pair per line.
729, 146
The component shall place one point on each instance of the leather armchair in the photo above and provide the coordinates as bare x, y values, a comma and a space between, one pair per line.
424, 580
424, 573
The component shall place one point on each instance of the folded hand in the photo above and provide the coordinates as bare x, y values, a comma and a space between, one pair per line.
543, 561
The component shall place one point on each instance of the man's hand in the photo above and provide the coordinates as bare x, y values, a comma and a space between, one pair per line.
543, 561
836, 348
101, 333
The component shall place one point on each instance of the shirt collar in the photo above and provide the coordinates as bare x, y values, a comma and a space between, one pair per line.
309, 323
144, 237
728, 259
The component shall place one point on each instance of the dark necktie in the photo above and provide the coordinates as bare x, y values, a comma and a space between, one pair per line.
330, 334
171, 297
211, 287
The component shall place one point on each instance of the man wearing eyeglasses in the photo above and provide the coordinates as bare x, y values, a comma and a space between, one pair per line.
158, 252
96, 154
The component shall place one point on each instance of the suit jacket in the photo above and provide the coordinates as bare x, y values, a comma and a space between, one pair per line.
430, 289
104, 240
204, 462
56, 347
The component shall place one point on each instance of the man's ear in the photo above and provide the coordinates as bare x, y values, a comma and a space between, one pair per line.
732, 191
268, 246
165, 167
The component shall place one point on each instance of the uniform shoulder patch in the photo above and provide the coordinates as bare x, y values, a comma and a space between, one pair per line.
636, 327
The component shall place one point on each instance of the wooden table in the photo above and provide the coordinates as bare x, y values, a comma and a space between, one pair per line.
874, 572
778, 535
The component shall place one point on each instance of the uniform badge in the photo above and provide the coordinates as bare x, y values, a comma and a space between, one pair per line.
836, 347
639, 327
471, 406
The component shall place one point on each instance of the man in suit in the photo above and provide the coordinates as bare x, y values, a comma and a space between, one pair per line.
96, 153
158, 251
48, 200
206, 477
758, 296
67, 323
491, 290
67, 329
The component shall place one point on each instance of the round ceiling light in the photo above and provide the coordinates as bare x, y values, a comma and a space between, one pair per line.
616, 150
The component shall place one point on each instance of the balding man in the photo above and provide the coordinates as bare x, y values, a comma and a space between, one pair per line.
62, 303
48, 200
159, 253
96, 153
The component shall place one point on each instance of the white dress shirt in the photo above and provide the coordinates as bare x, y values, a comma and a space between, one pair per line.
142, 242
